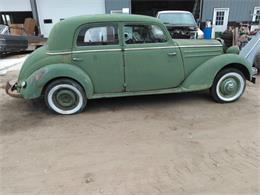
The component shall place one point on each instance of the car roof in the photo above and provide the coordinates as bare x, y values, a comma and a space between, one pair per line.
109, 17
62, 33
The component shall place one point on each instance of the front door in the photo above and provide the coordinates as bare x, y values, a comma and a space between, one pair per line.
220, 19
97, 51
152, 61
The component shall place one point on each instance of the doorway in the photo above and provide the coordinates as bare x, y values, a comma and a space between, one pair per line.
151, 7
220, 20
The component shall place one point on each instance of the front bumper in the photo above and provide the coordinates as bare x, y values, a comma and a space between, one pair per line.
254, 73
11, 89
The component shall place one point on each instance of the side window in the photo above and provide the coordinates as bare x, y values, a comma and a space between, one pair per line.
98, 35
134, 34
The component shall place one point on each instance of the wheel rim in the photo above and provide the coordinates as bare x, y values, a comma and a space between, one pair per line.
230, 87
65, 99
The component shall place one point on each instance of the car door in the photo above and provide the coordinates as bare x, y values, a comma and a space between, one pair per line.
98, 52
152, 61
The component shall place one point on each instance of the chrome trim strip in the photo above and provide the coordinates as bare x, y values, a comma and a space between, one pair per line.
204, 50
195, 46
200, 55
150, 48
59, 53
130, 49
82, 51
96, 50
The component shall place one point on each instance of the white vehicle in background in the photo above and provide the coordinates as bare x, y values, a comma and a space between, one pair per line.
181, 24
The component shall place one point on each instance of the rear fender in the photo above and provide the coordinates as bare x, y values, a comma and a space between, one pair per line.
39, 79
203, 76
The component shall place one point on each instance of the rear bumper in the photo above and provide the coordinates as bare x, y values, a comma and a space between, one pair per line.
11, 89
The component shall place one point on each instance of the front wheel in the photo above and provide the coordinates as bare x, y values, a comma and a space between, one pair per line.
229, 85
65, 96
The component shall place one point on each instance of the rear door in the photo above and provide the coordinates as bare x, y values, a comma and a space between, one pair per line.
98, 52
152, 61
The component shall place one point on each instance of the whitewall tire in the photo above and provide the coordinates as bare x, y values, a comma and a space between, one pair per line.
65, 97
229, 85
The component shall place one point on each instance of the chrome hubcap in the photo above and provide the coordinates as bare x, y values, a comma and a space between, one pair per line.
230, 86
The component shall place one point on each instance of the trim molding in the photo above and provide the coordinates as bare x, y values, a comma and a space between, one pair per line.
196, 46
149, 48
131, 49
82, 51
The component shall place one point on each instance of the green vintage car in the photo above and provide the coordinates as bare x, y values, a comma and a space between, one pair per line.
100, 56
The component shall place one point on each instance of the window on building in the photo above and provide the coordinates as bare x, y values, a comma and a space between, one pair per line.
98, 35
256, 15
135, 34
220, 18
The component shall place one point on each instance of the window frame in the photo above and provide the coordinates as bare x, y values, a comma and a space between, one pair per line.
144, 23
96, 24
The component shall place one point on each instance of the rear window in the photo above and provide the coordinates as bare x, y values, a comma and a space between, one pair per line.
98, 35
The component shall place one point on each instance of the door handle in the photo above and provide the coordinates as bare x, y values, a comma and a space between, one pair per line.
77, 59
172, 54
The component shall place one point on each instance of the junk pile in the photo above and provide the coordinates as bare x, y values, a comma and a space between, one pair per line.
247, 38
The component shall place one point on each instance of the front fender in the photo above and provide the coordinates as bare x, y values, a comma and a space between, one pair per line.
36, 82
203, 76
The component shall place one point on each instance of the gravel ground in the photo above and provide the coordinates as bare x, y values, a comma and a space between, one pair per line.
162, 144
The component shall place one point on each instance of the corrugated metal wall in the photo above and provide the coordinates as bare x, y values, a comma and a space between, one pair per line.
240, 10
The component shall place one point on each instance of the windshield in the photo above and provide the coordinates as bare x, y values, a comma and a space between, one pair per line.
186, 19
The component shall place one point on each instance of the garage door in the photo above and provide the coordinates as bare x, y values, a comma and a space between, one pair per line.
51, 12
15, 5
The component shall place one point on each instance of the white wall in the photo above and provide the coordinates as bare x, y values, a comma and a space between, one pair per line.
58, 9
15, 5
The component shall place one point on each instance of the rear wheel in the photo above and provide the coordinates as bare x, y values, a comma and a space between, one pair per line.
229, 85
65, 96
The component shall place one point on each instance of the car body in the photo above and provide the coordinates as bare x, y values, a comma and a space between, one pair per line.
99, 56
181, 24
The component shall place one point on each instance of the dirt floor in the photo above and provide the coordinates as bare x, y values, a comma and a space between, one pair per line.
166, 144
